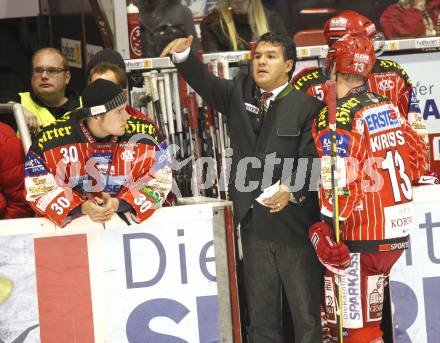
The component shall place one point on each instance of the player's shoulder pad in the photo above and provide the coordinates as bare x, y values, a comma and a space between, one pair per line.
321, 121
346, 109
133, 112
308, 77
371, 98
388, 66
141, 129
61, 132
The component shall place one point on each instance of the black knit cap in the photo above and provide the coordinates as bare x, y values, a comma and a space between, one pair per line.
102, 96
106, 55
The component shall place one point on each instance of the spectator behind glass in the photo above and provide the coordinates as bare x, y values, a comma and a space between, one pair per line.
236, 23
12, 201
50, 97
162, 21
411, 18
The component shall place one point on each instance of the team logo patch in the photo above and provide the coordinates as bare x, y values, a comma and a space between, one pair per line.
372, 97
362, 58
128, 155
103, 162
114, 184
375, 286
315, 239
338, 24
342, 142
97, 110
102, 157
360, 125
381, 118
152, 194
436, 148
359, 207
330, 300
386, 85
105, 170
251, 108
399, 220
370, 29
33, 166
39, 185
47, 198
326, 174
351, 294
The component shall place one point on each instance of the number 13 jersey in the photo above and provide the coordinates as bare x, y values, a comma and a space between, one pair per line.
379, 155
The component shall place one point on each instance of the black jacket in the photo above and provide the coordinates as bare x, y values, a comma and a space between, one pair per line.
286, 131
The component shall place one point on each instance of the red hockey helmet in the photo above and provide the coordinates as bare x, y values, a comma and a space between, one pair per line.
352, 55
348, 22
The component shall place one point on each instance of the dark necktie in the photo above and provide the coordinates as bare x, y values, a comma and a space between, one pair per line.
262, 110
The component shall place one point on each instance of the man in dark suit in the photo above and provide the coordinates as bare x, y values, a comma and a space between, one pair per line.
271, 141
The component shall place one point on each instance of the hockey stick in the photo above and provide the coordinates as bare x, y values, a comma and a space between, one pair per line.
223, 71
185, 108
197, 149
169, 105
331, 85
211, 128
156, 100
148, 99
178, 111
214, 115
163, 106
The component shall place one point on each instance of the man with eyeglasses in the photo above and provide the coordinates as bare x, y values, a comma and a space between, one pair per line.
50, 97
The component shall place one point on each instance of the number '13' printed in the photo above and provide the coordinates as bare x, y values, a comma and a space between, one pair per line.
390, 163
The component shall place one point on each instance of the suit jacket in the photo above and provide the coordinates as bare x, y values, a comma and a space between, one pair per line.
285, 135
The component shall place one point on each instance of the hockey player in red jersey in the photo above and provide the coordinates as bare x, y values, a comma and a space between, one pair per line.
387, 78
98, 161
378, 157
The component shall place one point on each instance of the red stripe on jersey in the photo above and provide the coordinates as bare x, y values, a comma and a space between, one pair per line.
392, 151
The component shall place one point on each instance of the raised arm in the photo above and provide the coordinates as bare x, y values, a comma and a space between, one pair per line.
214, 90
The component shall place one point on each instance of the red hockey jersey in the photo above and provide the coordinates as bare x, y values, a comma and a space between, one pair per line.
65, 166
379, 155
387, 78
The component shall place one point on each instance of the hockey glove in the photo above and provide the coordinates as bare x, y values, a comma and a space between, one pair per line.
331, 254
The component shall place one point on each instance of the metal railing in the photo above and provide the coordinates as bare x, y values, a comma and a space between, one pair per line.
23, 130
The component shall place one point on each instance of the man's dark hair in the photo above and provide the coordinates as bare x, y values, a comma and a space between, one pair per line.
103, 67
289, 48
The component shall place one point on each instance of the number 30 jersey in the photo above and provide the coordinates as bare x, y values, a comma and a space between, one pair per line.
66, 165
379, 155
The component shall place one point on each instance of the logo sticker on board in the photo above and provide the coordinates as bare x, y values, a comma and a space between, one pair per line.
436, 148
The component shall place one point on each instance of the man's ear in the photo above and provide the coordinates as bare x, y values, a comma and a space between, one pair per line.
289, 65
68, 76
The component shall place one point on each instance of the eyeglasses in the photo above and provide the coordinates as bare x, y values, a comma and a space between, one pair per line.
51, 71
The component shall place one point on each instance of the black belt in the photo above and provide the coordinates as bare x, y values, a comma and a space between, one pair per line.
384, 245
